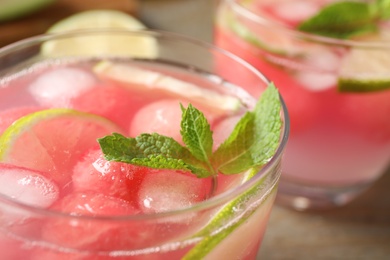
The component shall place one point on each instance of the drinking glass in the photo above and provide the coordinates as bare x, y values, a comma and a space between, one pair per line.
213, 228
335, 90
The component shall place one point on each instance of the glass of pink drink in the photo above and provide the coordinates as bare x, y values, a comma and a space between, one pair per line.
60, 198
336, 91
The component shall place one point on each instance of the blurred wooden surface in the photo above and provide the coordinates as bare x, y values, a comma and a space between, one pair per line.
360, 231
39, 22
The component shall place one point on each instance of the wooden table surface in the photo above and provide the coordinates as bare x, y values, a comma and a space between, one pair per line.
360, 230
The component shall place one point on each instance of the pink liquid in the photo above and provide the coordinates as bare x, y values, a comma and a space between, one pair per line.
336, 138
69, 164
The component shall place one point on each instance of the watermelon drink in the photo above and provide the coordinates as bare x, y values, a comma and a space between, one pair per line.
334, 78
76, 106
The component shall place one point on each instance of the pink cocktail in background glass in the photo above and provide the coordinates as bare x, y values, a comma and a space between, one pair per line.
61, 199
340, 137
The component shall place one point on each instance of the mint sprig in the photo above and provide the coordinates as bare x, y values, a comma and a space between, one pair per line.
347, 19
252, 143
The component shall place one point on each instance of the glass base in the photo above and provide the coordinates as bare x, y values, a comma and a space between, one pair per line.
300, 196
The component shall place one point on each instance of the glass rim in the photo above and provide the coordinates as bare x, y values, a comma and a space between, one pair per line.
215, 201
258, 18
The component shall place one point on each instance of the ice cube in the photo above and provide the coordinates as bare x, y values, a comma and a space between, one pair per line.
24, 186
223, 129
295, 11
167, 190
317, 81
161, 117
27, 186
321, 72
57, 87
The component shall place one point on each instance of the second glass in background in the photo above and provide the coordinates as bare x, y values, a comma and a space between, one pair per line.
340, 140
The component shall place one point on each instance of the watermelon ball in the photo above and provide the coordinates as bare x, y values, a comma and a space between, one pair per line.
95, 173
91, 225
7, 117
110, 101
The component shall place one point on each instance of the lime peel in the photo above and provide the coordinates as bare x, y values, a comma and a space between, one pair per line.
364, 70
25, 123
354, 85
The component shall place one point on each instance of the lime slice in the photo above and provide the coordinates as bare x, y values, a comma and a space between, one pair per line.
262, 37
52, 140
135, 77
224, 220
268, 41
118, 44
11, 9
364, 70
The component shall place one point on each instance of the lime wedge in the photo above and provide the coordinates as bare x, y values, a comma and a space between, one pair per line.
119, 44
364, 70
11, 9
52, 140
135, 77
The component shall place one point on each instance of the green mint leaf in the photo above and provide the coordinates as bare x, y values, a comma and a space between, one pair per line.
251, 144
254, 139
342, 20
196, 134
234, 154
150, 150
268, 125
116, 147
